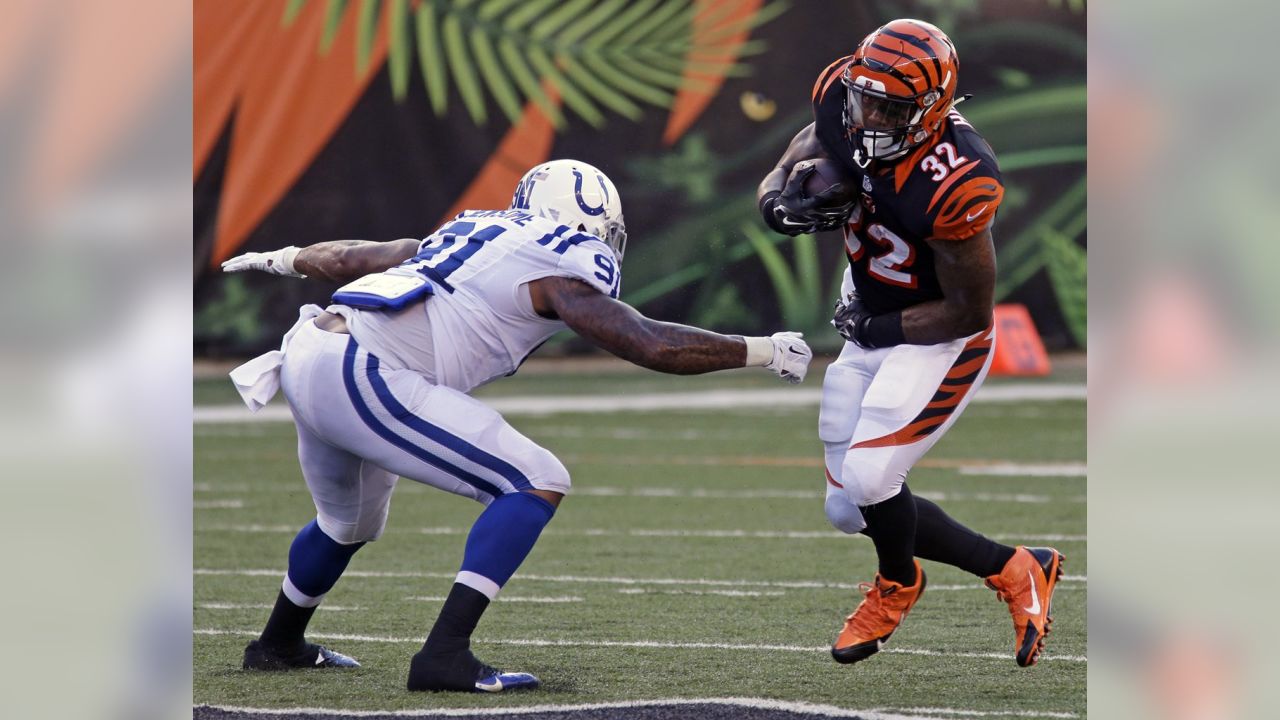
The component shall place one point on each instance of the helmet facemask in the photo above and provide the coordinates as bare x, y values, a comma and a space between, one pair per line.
614, 234
883, 126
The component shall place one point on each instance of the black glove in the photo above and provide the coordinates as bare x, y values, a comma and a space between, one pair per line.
781, 221
847, 315
856, 324
828, 210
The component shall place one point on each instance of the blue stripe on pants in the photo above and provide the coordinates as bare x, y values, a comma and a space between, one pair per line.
438, 434
362, 409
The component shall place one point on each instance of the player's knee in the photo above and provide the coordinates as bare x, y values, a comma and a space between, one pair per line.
879, 488
365, 529
869, 476
549, 474
843, 514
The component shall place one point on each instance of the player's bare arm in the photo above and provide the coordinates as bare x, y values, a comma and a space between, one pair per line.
346, 260
666, 347
337, 260
804, 146
967, 275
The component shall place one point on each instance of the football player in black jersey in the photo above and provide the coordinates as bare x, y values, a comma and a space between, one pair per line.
916, 311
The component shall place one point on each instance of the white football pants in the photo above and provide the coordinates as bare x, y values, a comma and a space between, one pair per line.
883, 409
361, 424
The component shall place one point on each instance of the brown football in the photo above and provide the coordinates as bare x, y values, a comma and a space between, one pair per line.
828, 174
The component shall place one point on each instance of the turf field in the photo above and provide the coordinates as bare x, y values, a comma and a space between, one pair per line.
693, 561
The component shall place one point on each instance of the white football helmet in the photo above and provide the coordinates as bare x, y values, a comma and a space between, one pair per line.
575, 194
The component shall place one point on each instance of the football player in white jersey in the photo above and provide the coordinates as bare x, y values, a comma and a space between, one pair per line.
377, 385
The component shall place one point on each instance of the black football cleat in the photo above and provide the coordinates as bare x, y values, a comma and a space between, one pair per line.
462, 672
260, 657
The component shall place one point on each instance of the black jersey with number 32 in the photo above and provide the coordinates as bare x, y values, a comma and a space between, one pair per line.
948, 188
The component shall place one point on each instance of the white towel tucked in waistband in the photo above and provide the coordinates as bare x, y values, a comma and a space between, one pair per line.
258, 380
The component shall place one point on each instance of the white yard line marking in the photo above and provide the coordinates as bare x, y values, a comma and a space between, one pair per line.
656, 644
265, 606
640, 532
752, 703
704, 400
506, 599
979, 586
228, 504
1028, 470
723, 593
586, 579
604, 491
706, 493
985, 713
679, 492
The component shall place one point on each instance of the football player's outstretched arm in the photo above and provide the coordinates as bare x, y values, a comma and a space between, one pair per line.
337, 260
665, 347
967, 275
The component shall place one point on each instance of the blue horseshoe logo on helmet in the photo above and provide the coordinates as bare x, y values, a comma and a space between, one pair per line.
577, 193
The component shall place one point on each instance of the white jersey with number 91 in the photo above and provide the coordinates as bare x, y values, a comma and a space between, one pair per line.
479, 324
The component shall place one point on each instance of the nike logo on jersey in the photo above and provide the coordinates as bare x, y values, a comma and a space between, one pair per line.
969, 218
1035, 596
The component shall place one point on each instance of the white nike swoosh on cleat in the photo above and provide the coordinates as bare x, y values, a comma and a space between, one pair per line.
494, 686
1035, 596
969, 218
320, 657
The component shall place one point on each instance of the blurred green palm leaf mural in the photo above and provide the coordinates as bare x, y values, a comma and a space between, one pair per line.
595, 55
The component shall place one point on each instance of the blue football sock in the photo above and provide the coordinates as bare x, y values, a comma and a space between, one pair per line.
316, 561
501, 539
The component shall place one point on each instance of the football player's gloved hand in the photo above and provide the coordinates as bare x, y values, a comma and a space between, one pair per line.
276, 262
823, 211
780, 220
849, 314
791, 356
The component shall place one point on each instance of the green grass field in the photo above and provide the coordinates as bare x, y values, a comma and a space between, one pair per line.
687, 528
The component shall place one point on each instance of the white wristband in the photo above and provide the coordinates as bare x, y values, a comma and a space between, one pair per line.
287, 256
759, 351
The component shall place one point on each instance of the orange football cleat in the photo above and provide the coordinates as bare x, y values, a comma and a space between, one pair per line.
882, 610
1026, 583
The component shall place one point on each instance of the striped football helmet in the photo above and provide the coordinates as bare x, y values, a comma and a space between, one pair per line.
898, 89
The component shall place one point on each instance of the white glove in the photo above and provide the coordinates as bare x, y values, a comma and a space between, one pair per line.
785, 353
276, 262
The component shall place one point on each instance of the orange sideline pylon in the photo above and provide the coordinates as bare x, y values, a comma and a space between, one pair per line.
1018, 349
